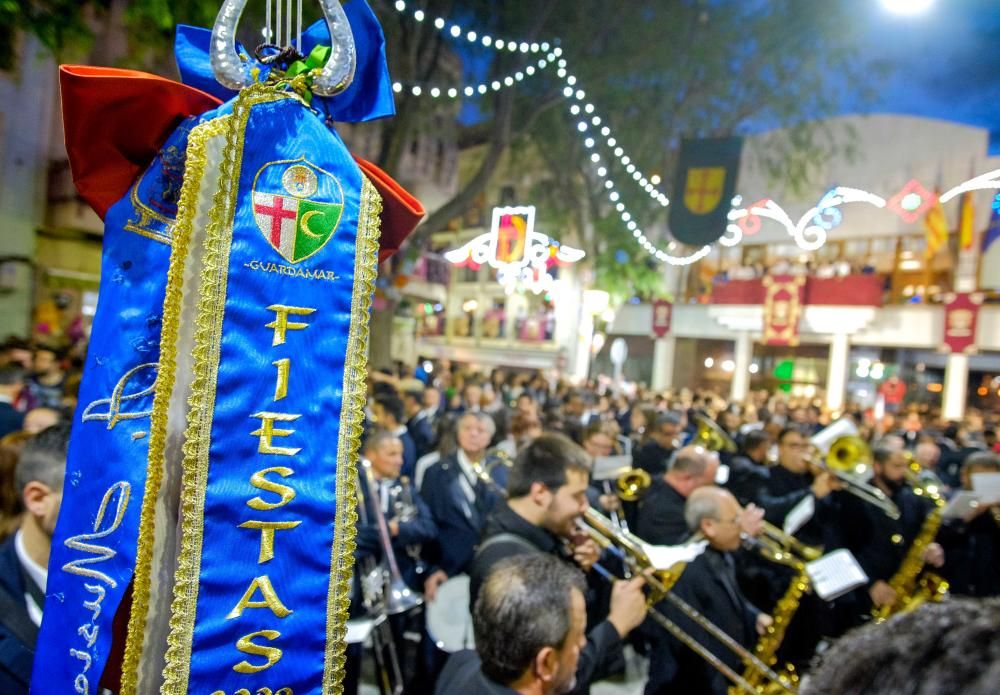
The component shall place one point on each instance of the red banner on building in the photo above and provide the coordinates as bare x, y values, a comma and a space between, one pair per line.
783, 301
662, 313
961, 311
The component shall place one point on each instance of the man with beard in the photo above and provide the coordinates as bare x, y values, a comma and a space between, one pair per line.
547, 496
879, 542
24, 557
529, 624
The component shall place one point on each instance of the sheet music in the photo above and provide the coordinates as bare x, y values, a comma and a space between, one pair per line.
961, 505
664, 557
610, 467
722, 474
987, 487
800, 515
835, 574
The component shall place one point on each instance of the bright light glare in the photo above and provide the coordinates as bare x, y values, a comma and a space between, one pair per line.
907, 7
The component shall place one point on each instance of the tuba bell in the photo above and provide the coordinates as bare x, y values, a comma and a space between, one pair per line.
712, 437
632, 484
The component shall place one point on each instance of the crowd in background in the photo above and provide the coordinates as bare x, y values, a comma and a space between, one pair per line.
439, 442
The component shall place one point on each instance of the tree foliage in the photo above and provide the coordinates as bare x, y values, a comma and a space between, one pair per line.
657, 71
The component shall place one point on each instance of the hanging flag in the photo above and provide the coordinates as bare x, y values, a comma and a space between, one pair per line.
705, 184
989, 258
936, 226
785, 295
966, 222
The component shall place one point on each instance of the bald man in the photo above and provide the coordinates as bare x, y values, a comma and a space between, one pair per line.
709, 584
661, 511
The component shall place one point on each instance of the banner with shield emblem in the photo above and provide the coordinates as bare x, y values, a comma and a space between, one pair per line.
705, 183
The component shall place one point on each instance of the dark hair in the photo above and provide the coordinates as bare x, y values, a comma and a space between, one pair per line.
11, 374
787, 431
393, 405
594, 429
668, 418
754, 439
523, 607
949, 647
44, 458
413, 395
546, 460
882, 454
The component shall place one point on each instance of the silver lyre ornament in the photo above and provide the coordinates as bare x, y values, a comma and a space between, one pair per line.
235, 73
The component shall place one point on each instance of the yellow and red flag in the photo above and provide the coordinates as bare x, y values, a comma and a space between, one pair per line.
966, 222
936, 225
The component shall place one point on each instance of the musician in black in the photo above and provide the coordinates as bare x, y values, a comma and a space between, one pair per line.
547, 496
660, 519
879, 542
709, 585
529, 624
662, 439
748, 470
789, 483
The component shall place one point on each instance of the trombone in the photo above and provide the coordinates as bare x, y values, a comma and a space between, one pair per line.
631, 550
846, 459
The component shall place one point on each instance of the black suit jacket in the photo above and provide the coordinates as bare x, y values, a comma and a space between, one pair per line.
603, 654
709, 585
660, 519
421, 430
17, 632
462, 675
653, 458
458, 521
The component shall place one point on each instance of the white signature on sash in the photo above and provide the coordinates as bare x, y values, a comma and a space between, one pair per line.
83, 567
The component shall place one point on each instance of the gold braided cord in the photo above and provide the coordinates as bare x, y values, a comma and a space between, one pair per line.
186, 211
349, 441
197, 438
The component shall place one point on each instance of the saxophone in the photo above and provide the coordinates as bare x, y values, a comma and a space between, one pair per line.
913, 588
767, 646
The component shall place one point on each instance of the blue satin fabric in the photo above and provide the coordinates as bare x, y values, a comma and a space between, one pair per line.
300, 570
368, 97
107, 454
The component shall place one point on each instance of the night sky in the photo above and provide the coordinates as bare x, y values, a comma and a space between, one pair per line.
943, 64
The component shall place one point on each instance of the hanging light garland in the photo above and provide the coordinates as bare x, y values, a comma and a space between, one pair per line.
809, 233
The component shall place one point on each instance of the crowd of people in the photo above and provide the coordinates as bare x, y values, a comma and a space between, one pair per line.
507, 465
477, 492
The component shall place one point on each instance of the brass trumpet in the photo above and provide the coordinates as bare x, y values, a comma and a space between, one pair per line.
847, 459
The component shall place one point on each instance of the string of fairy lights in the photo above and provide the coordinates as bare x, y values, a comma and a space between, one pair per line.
809, 232
593, 130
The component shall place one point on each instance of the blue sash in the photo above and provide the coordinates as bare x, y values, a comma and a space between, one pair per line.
275, 402
93, 549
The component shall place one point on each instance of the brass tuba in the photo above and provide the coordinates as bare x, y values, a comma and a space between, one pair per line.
632, 484
712, 437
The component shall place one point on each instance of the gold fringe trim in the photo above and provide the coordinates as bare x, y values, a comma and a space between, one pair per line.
197, 438
349, 442
186, 211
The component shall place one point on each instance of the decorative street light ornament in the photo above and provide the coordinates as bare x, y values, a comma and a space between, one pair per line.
912, 201
522, 256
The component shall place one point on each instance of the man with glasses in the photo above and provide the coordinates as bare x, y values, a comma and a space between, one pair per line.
791, 482
709, 585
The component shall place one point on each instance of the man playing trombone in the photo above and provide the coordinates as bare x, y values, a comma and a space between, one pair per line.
547, 496
709, 585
